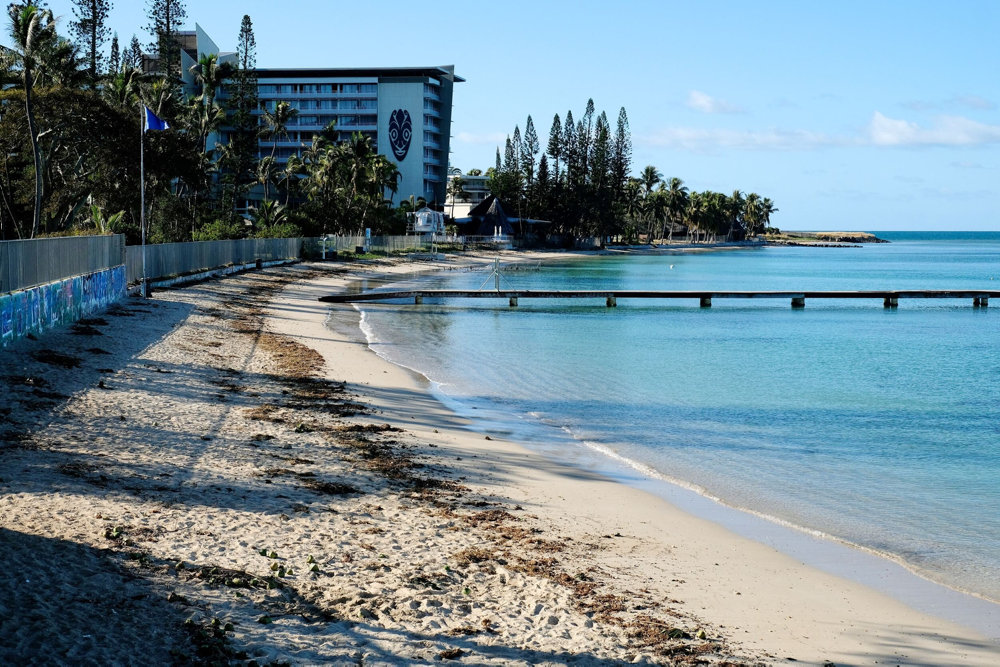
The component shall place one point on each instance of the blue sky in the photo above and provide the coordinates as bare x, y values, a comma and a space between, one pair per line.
849, 115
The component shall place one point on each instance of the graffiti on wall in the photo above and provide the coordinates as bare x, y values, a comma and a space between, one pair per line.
55, 304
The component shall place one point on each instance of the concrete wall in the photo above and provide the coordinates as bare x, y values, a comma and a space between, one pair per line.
58, 303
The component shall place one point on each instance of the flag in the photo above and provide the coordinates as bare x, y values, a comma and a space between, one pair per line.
153, 122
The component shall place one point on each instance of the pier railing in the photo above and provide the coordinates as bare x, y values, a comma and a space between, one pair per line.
889, 298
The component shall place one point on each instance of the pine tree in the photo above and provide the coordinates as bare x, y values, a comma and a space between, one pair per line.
115, 60
90, 32
165, 19
509, 161
569, 146
243, 102
585, 136
515, 152
621, 160
132, 58
555, 144
529, 149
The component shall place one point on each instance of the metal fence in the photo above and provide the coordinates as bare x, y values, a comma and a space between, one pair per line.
25, 264
177, 259
385, 244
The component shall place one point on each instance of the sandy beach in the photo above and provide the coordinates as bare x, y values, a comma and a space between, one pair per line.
226, 473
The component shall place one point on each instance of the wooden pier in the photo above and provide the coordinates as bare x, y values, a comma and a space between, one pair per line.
889, 298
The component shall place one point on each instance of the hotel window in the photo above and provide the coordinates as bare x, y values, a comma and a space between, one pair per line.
368, 88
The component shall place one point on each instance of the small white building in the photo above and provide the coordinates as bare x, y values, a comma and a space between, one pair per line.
426, 221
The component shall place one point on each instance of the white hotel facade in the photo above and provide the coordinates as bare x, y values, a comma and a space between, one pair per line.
405, 111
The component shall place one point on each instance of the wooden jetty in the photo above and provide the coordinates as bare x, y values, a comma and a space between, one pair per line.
890, 298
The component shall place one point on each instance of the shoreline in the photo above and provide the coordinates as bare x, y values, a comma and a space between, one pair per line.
881, 570
878, 567
215, 472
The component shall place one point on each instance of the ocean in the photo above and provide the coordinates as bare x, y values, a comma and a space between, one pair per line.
877, 427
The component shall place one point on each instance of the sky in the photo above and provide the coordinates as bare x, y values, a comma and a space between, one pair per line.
876, 115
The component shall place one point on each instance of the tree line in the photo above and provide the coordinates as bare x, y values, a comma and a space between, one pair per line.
581, 184
70, 133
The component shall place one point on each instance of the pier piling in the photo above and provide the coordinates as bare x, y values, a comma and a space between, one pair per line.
890, 298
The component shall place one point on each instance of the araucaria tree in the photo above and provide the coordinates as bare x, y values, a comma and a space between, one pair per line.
240, 158
90, 33
115, 59
165, 19
132, 57
582, 186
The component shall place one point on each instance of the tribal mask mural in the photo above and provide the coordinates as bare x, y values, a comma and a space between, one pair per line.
400, 133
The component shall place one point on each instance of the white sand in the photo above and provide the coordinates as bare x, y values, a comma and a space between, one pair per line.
199, 449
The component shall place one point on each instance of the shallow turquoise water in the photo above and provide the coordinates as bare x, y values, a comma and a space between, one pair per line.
880, 427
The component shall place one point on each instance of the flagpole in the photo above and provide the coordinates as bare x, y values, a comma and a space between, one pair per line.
144, 288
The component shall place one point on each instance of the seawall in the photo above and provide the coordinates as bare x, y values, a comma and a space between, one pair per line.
37, 309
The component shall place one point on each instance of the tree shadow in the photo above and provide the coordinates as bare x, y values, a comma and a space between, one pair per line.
63, 602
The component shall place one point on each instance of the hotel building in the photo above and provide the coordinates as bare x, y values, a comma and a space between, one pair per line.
405, 111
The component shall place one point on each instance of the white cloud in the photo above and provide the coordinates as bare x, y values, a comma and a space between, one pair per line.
946, 131
976, 102
693, 139
703, 102
967, 164
490, 138
881, 131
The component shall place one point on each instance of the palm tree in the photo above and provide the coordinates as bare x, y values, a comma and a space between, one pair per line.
276, 123
650, 177
33, 33
750, 213
766, 209
385, 175
266, 170
294, 169
121, 89
738, 207
210, 74
678, 198
268, 214
456, 188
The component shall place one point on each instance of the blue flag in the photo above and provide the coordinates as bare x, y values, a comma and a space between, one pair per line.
153, 122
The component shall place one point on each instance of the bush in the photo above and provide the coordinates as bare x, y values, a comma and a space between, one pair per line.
282, 230
220, 230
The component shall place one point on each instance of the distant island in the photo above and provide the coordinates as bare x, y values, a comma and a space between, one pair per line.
822, 238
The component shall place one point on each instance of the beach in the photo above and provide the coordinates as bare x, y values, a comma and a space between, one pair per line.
227, 472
